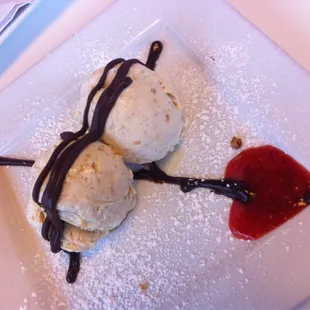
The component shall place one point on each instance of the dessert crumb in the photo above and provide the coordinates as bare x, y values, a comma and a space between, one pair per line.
144, 285
236, 143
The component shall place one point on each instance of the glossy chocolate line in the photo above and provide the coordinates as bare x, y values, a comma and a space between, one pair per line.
154, 53
7, 161
74, 266
45, 230
229, 188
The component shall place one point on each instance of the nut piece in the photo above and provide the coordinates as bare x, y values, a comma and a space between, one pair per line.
144, 285
236, 143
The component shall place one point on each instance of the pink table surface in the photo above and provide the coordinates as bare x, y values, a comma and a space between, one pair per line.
286, 22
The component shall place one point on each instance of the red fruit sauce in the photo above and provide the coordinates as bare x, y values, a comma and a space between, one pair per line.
279, 183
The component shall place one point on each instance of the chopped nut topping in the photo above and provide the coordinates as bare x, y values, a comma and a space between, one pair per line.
95, 166
236, 143
144, 285
156, 47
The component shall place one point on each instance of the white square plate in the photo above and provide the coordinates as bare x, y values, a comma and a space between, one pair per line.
231, 81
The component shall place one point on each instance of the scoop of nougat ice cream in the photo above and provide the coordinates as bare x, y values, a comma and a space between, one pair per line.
98, 192
145, 123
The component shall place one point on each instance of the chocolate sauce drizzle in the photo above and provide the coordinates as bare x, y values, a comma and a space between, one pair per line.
229, 188
74, 143
7, 161
74, 266
154, 53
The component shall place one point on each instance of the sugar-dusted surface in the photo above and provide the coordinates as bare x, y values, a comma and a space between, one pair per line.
174, 251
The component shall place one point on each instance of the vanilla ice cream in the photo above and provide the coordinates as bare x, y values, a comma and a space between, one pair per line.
96, 196
145, 123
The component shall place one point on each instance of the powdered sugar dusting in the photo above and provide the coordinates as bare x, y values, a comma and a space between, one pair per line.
24, 306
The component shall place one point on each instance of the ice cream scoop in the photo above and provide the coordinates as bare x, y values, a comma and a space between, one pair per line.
98, 192
145, 123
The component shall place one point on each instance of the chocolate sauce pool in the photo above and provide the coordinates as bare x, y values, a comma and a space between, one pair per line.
74, 143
